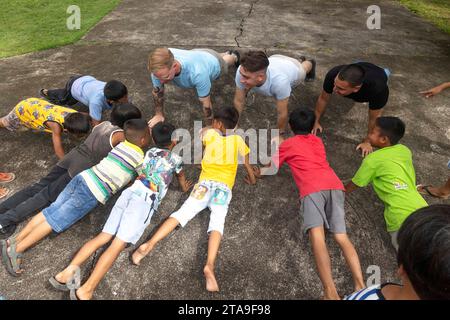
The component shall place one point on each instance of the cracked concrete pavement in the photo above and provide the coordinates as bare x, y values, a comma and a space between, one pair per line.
263, 255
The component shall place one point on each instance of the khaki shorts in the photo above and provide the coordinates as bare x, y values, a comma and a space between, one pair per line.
223, 64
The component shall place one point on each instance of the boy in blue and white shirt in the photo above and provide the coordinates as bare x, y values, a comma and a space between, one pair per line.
95, 94
131, 214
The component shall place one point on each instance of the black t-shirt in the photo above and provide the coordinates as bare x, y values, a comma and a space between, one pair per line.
373, 90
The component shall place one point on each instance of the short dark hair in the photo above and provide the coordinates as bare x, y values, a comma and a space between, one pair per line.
229, 116
424, 251
353, 74
135, 130
254, 61
122, 112
391, 127
162, 134
115, 90
77, 123
301, 120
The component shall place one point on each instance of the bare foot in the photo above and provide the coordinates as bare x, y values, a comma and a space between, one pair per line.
139, 254
211, 283
66, 275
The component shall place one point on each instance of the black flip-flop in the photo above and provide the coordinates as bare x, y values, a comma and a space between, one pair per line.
238, 56
42, 94
311, 75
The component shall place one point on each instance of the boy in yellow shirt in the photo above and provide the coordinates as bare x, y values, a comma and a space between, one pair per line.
40, 115
219, 166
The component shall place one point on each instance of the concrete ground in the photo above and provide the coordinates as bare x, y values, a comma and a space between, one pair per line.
263, 255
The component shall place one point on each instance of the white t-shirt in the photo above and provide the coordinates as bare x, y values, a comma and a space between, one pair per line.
282, 75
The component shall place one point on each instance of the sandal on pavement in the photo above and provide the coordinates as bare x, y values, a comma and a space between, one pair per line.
7, 177
4, 192
10, 259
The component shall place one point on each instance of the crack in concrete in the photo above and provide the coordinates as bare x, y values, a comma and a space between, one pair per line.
241, 25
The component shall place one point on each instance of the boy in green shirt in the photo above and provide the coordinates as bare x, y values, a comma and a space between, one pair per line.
391, 172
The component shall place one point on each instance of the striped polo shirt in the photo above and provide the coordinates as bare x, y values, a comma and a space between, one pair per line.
115, 171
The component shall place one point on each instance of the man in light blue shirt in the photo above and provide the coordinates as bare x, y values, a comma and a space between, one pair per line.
196, 68
273, 76
95, 94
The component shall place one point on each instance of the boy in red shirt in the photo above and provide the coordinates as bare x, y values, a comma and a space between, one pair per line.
322, 196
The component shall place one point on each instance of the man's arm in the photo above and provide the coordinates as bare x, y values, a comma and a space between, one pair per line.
239, 99
282, 110
207, 107
185, 184
321, 105
365, 146
56, 138
158, 102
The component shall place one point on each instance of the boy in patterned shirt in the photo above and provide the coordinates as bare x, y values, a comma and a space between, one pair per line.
131, 214
39, 115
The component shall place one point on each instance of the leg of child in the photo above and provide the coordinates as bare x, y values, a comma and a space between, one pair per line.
323, 262
213, 247
82, 255
34, 222
103, 265
351, 257
38, 233
166, 228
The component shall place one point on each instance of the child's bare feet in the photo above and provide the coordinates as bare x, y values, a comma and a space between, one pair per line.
67, 274
211, 283
139, 254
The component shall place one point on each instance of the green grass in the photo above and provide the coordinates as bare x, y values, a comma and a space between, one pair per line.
32, 25
435, 11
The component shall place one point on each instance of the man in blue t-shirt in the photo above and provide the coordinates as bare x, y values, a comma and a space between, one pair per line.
196, 68
273, 76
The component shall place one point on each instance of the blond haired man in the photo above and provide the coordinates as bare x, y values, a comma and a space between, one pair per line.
196, 68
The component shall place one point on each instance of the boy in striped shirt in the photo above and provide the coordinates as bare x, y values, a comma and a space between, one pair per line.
82, 194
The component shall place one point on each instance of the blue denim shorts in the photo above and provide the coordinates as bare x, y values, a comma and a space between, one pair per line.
73, 203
